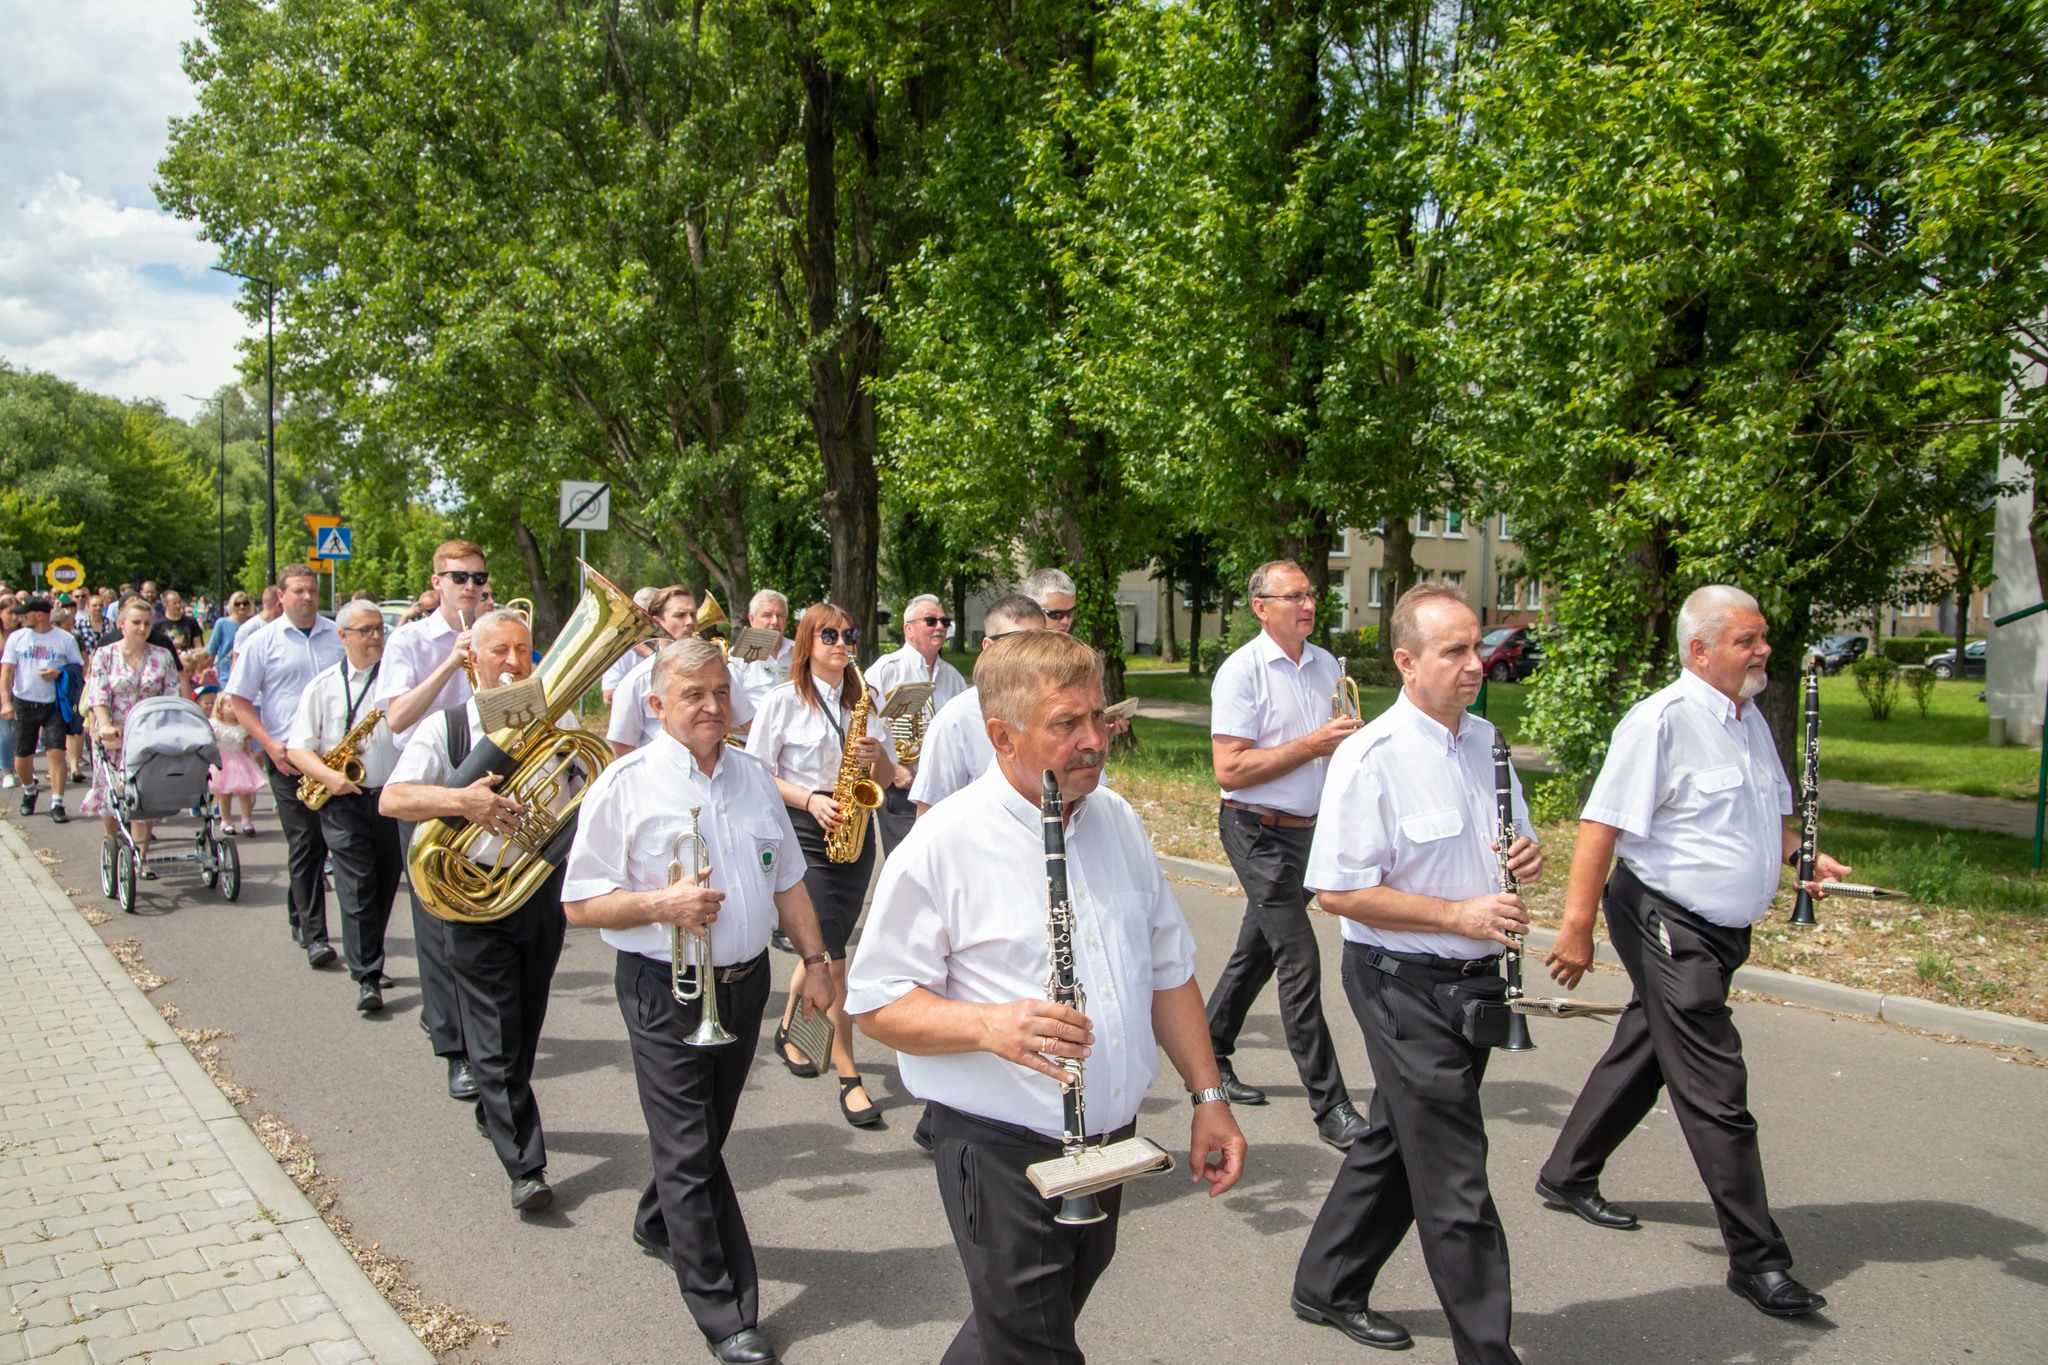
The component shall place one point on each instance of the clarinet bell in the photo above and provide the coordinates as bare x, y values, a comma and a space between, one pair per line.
1802, 909
1079, 1210
1518, 1034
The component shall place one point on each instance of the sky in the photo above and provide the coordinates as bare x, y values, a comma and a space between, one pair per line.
98, 284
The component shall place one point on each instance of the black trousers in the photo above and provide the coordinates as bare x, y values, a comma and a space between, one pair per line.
897, 814
688, 1096
1677, 1035
438, 1008
503, 970
306, 858
1028, 1277
364, 846
1422, 1162
1275, 939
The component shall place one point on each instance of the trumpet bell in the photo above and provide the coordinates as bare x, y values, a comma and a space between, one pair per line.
711, 614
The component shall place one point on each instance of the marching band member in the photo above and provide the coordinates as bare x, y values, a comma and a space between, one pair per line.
269, 676
956, 746
618, 880
634, 722
952, 975
768, 610
1404, 853
1271, 736
502, 968
1054, 593
422, 676
925, 624
362, 842
1691, 802
800, 733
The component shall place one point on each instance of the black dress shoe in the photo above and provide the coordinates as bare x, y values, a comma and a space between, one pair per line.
1590, 1207
1364, 1326
1776, 1293
461, 1080
1342, 1126
320, 954
368, 998
1237, 1092
657, 1250
779, 941
531, 1193
384, 983
744, 1347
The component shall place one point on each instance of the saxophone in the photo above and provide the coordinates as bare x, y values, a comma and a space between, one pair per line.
857, 795
345, 758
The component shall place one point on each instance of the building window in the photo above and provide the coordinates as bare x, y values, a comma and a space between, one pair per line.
1534, 600
1506, 533
1504, 592
1341, 545
1340, 588
1454, 524
1372, 587
1455, 578
1424, 526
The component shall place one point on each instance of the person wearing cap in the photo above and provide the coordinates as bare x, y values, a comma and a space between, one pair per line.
30, 665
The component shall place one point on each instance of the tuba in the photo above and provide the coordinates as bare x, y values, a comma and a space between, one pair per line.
536, 759
857, 796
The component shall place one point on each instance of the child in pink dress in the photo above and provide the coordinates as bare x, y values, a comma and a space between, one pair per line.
237, 777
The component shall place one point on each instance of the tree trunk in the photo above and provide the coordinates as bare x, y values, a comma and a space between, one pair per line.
1169, 648
960, 612
1195, 595
547, 614
1397, 574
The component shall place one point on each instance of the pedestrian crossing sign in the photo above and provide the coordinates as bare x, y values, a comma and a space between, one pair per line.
334, 543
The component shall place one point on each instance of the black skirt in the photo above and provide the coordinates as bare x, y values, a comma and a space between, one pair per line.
837, 890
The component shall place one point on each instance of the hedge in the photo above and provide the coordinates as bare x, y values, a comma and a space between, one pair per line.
1914, 651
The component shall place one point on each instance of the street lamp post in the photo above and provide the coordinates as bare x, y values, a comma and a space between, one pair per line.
269, 409
220, 585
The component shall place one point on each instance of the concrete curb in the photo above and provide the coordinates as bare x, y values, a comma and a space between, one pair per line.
1908, 1011
368, 1313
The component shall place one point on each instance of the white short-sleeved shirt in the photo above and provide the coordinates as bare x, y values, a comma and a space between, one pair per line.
626, 833
961, 911
1409, 806
415, 650
803, 744
906, 665
280, 665
956, 750
633, 720
621, 666
251, 631
765, 675
31, 652
1699, 796
325, 715
425, 761
1262, 695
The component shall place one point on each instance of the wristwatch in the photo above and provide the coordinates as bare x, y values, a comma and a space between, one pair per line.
1198, 1098
817, 960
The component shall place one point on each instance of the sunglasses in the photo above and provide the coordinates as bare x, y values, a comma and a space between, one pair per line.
461, 577
832, 635
945, 621
1060, 614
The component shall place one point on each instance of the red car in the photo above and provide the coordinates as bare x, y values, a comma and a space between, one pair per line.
1509, 653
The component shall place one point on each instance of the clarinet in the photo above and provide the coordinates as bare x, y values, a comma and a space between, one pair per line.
1809, 799
1504, 836
1062, 988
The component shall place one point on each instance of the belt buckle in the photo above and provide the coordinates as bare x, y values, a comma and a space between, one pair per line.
1475, 965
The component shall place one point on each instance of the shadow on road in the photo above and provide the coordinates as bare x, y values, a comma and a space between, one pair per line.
896, 1287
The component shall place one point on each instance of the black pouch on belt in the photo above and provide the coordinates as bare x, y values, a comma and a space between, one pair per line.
1480, 1007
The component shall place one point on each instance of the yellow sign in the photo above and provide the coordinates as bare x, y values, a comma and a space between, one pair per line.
318, 522
315, 562
66, 575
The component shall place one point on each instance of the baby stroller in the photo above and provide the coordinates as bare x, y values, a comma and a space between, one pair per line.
166, 749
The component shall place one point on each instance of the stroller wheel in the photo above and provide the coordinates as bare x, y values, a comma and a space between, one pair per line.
230, 871
124, 878
109, 850
209, 858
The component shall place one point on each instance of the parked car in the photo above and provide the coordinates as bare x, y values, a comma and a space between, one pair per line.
1943, 665
1510, 653
1837, 652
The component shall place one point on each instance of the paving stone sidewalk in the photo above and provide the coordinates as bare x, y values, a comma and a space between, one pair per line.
140, 1219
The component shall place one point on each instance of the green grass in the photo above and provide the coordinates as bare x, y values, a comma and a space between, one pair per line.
1985, 874
1947, 751
1505, 702
1167, 686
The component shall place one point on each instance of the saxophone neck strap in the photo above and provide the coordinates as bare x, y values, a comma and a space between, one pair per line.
355, 701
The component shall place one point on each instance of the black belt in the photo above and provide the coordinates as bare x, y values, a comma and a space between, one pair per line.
724, 976
1426, 969
1270, 818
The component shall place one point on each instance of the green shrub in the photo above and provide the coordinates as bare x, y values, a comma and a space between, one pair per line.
1920, 684
1932, 635
1551, 800
1877, 680
1932, 870
1370, 670
1909, 651
1932, 966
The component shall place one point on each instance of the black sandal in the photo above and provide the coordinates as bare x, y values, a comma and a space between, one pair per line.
859, 1118
804, 1070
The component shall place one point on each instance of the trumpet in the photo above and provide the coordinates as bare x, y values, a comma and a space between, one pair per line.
689, 951
1344, 696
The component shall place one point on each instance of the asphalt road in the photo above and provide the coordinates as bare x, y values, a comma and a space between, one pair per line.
1905, 1172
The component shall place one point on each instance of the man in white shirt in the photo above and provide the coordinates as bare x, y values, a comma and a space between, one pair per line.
1271, 736
925, 625
271, 673
768, 610
503, 967
634, 722
1404, 852
362, 842
1054, 592
686, 777
956, 744
951, 974
30, 665
423, 676
1692, 801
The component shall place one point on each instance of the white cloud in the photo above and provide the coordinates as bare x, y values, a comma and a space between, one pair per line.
97, 283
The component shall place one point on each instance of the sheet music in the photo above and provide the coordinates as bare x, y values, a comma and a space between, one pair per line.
751, 644
1124, 709
906, 699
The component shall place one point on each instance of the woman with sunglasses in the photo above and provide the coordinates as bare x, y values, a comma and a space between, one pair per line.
799, 732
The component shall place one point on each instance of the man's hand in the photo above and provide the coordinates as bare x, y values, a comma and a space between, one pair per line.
50, 674
1825, 870
1323, 741
1215, 1147
690, 902
338, 784
1031, 1032
458, 653
817, 996
1525, 860
906, 773
1570, 955
479, 805
279, 759
6, 708
1494, 916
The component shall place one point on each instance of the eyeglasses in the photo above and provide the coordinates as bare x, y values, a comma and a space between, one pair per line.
365, 630
460, 577
1292, 599
945, 621
832, 635
988, 640
1060, 614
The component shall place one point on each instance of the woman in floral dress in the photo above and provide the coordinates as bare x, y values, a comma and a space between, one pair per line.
119, 675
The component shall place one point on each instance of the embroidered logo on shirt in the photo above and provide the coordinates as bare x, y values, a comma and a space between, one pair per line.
766, 850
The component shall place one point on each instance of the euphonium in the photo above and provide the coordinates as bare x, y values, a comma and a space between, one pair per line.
907, 732
691, 952
710, 616
345, 758
857, 796
536, 760
1344, 697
